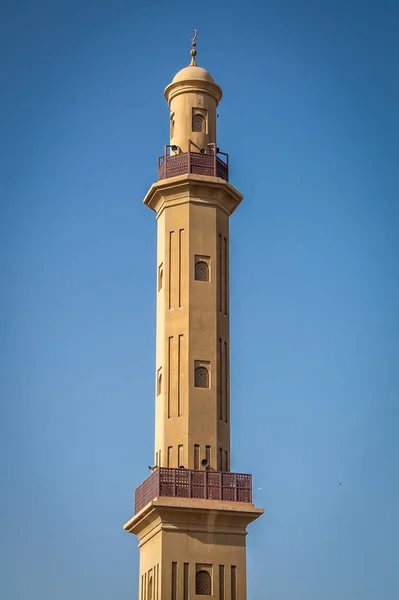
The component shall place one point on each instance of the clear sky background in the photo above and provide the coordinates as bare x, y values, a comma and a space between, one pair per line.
310, 119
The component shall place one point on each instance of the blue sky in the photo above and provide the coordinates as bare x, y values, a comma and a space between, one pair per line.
309, 117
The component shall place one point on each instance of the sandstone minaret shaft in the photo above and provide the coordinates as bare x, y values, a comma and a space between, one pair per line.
192, 512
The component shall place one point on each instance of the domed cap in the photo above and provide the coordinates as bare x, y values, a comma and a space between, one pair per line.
193, 73
193, 77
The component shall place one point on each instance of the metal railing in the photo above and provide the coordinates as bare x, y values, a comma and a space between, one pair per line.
207, 163
190, 483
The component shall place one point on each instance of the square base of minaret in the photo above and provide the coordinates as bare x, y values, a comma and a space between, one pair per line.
192, 547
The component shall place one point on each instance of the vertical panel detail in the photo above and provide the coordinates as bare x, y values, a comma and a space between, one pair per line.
170, 278
219, 258
142, 587
170, 341
226, 460
220, 381
222, 274
157, 580
233, 583
226, 381
223, 379
180, 456
159, 381
174, 580
220, 460
181, 231
221, 582
169, 463
196, 456
225, 275
160, 277
208, 454
179, 376
185, 581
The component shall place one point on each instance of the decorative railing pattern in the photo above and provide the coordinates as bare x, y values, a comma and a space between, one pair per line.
171, 165
189, 483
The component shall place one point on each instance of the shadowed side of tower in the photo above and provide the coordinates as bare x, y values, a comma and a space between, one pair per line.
192, 512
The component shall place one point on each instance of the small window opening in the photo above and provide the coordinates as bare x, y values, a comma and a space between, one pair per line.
201, 271
203, 584
198, 123
201, 377
159, 381
172, 124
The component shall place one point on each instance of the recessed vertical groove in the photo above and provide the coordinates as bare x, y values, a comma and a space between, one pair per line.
220, 384
142, 587
170, 341
157, 579
145, 586
179, 455
171, 233
220, 461
225, 263
179, 375
185, 581
208, 454
226, 381
196, 456
221, 274
169, 463
174, 578
181, 231
233, 583
221, 582
219, 258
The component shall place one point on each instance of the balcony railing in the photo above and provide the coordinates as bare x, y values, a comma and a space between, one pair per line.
208, 163
189, 483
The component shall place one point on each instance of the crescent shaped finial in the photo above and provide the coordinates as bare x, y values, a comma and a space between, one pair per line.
193, 51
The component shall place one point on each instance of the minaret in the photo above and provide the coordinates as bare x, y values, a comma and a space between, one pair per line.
192, 512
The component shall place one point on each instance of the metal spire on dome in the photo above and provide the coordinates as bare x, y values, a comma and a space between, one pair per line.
193, 51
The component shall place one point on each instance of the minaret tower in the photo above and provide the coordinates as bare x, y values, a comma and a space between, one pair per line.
192, 512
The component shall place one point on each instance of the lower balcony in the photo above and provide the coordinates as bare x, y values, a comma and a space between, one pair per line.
190, 483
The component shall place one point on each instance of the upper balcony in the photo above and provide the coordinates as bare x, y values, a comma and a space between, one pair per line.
201, 161
190, 483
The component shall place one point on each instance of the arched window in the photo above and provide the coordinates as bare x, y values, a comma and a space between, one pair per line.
198, 123
172, 124
201, 377
159, 381
203, 584
201, 271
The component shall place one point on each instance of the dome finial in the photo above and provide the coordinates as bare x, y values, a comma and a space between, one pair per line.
193, 51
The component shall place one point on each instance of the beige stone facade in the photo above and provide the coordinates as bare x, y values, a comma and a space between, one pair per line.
192, 420
179, 538
192, 547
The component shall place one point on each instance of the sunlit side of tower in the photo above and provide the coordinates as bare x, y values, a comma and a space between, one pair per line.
192, 512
